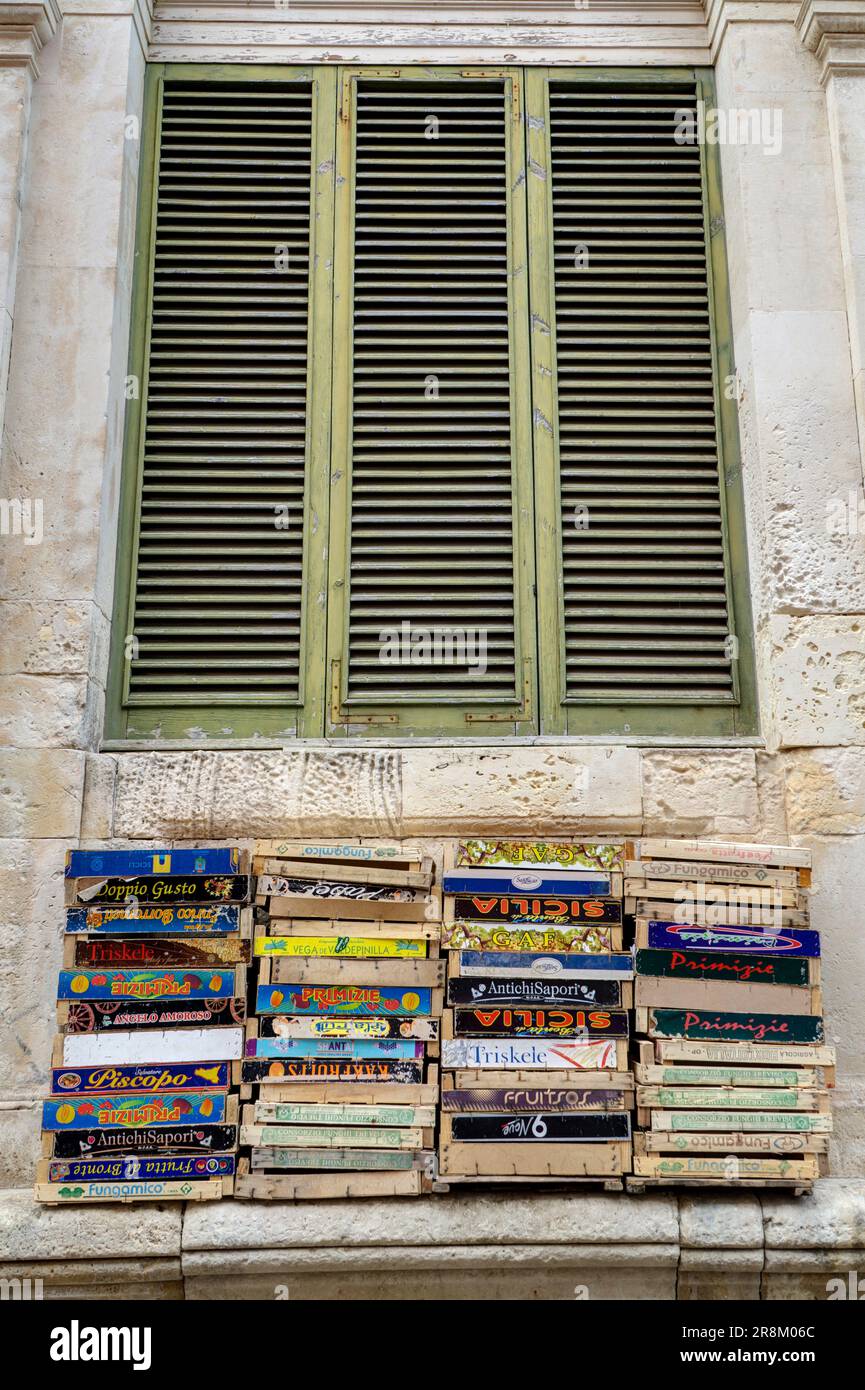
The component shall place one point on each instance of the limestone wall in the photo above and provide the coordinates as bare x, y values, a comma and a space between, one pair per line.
795, 228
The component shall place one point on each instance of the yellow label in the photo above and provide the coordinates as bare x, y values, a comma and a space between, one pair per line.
349, 947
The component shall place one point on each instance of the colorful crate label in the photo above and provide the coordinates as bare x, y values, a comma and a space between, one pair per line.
490, 989
342, 947
130, 1190
332, 1047
144, 918
98, 1017
618, 966
519, 883
538, 910
180, 1139
88, 1080
342, 999
134, 1168
700, 1024
146, 984
339, 1026
524, 1056
142, 952
93, 863
133, 1112
697, 965
532, 1100
518, 854
489, 1020
283, 886
168, 1045
487, 936
331, 1069
789, 941
152, 888
552, 1128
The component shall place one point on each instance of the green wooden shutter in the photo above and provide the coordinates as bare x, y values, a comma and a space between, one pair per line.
641, 627
431, 609
230, 416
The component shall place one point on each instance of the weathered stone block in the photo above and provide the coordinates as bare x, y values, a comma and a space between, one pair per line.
302, 791
32, 1232
581, 1219
819, 666
97, 810
832, 1218
720, 1221
530, 789
44, 711
40, 792
826, 792
690, 792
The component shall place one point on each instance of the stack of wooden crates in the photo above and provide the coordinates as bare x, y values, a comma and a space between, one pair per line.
535, 1085
341, 1051
733, 1069
151, 1007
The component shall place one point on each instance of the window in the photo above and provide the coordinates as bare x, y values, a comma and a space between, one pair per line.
433, 431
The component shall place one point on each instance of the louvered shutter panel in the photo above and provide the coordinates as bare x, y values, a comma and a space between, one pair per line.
431, 504
646, 611
219, 569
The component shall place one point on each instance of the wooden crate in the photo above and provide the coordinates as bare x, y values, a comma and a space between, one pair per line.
295, 1187
353, 1092
605, 1158
210, 1190
674, 1050
660, 1142
656, 992
386, 974
704, 914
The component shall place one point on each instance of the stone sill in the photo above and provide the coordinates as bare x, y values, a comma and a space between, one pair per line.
667, 1245
252, 745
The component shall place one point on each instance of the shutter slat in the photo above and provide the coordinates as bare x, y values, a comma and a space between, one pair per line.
432, 531
640, 500
225, 427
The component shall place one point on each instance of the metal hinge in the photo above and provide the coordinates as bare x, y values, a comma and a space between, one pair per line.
509, 77
351, 76
510, 716
338, 715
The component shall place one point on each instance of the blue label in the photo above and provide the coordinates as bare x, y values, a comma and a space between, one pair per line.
346, 1000
764, 941
92, 863
139, 1076
524, 882
620, 964
146, 985
131, 1167
333, 1047
193, 919
139, 1111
